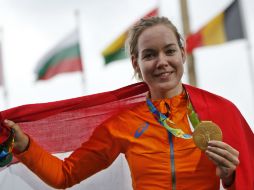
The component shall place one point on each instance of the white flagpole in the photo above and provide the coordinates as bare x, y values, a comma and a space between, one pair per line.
2, 78
248, 47
186, 30
83, 81
158, 6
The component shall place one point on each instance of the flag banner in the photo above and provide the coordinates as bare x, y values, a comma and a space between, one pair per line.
116, 50
65, 57
224, 27
62, 126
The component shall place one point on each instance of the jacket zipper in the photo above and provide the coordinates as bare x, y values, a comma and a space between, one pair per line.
172, 161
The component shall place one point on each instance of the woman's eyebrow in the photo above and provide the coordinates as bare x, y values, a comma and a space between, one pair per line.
170, 45
147, 50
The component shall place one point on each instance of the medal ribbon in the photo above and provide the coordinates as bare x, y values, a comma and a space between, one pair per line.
164, 121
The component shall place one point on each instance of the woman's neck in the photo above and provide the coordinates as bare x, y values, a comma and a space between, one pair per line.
157, 94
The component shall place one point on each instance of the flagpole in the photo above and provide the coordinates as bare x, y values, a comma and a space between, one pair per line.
159, 5
83, 81
5, 92
186, 31
248, 46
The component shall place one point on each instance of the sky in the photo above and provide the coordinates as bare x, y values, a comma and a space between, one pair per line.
31, 28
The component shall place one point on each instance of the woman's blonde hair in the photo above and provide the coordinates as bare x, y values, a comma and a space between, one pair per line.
139, 27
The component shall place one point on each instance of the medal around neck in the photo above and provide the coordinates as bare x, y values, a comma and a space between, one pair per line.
204, 132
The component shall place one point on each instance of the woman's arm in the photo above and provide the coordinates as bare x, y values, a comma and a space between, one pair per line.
94, 155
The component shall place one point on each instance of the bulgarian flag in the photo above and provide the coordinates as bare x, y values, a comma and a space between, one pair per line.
116, 51
224, 27
64, 57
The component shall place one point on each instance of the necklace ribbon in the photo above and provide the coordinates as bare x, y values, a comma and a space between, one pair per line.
165, 121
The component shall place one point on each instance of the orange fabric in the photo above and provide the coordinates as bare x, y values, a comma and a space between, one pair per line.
148, 155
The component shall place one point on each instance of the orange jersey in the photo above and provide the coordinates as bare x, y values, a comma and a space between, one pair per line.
157, 160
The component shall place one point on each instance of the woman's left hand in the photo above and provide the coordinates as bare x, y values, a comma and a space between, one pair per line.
225, 158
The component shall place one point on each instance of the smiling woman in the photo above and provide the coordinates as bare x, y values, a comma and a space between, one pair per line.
155, 134
160, 61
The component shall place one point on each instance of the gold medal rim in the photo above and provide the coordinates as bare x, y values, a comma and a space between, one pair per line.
200, 130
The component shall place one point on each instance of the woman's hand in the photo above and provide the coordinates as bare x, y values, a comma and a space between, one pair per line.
21, 140
225, 158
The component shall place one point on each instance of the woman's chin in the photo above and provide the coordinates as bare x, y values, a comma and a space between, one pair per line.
167, 87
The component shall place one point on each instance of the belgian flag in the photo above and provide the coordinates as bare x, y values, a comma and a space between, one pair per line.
224, 27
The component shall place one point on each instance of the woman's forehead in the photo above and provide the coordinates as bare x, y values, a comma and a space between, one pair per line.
157, 35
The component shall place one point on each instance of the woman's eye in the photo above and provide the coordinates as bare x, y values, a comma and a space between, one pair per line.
170, 51
148, 56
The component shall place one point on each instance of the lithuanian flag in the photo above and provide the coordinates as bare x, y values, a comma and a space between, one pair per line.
224, 27
116, 51
65, 57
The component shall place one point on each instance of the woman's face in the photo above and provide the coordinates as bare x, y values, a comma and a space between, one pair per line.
160, 61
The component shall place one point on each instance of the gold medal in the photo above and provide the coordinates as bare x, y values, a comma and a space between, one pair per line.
204, 132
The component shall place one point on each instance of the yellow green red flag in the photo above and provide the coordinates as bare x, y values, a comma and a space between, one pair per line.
116, 51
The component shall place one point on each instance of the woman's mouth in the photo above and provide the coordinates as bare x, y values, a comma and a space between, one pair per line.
164, 74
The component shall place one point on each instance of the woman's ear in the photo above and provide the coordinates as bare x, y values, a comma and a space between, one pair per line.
183, 52
135, 65
134, 61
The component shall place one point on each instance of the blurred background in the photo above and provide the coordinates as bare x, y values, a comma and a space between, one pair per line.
33, 30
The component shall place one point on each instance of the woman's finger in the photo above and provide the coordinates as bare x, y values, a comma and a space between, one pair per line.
223, 155
220, 161
223, 145
11, 124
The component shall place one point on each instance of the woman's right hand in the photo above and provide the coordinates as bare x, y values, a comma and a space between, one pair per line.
21, 140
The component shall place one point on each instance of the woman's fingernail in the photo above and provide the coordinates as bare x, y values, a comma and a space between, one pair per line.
6, 121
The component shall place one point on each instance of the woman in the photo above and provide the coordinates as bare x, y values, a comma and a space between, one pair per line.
158, 157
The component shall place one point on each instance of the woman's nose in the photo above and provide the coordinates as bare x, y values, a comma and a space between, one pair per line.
162, 60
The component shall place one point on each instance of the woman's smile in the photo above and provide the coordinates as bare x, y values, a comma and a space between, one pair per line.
164, 74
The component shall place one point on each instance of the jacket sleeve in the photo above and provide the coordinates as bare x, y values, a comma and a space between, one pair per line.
94, 155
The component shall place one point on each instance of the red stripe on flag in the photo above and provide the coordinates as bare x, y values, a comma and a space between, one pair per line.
67, 65
154, 12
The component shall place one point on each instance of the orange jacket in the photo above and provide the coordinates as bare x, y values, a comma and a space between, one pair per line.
146, 145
